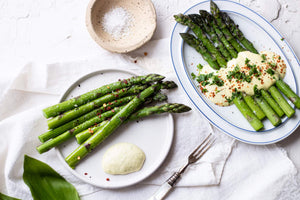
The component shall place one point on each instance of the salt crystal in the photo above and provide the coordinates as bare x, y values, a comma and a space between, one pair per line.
117, 22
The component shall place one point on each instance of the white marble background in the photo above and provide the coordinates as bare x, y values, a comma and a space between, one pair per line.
54, 30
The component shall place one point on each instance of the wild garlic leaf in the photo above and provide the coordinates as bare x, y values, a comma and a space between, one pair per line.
5, 197
45, 183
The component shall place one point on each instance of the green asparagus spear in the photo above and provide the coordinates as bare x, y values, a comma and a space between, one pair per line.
212, 22
272, 103
284, 105
84, 135
216, 13
198, 19
185, 20
70, 125
234, 29
81, 110
147, 111
108, 128
77, 129
97, 119
288, 92
247, 113
271, 115
254, 107
57, 109
198, 45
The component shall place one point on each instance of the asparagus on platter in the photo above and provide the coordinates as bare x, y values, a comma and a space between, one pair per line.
284, 105
212, 22
247, 113
185, 20
212, 35
217, 27
288, 92
200, 48
234, 29
144, 112
216, 13
272, 103
254, 107
271, 115
57, 109
114, 123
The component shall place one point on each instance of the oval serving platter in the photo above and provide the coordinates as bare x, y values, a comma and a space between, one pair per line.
143, 133
264, 37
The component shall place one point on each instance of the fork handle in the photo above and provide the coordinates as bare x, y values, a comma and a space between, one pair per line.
166, 187
161, 192
174, 178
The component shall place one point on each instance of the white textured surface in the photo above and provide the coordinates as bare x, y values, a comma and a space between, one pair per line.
54, 30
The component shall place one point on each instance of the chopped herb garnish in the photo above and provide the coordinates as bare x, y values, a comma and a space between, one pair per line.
270, 71
273, 65
235, 94
217, 81
203, 78
263, 56
204, 90
279, 57
254, 71
247, 61
248, 79
204, 83
193, 76
257, 92
241, 76
199, 66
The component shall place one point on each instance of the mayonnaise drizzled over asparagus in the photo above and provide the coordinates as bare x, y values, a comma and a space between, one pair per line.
242, 74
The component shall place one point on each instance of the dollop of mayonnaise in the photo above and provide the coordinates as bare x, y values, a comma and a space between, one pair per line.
123, 158
242, 74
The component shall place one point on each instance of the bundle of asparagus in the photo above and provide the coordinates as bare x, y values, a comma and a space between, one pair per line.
218, 39
94, 115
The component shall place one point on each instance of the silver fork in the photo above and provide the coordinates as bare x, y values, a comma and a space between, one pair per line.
193, 157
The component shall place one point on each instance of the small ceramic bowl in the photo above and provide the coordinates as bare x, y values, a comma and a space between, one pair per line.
143, 23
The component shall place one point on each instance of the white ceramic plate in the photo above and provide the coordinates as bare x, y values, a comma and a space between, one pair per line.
153, 135
264, 37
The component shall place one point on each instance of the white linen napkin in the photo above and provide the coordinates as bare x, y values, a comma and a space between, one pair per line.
38, 86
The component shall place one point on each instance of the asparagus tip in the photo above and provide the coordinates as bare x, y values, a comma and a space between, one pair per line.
169, 85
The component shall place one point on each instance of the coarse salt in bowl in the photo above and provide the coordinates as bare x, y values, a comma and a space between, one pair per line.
121, 25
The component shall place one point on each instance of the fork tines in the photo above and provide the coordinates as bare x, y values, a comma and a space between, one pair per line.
202, 148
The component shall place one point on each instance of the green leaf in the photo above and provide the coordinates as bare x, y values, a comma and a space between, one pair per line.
193, 76
270, 71
45, 183
200, 67
4, 197
257, 92
263, 56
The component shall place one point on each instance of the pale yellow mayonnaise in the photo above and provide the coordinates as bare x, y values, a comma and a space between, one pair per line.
269, 68
123, 158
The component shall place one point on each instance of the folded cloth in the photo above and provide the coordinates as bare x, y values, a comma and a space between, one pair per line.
38, 86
